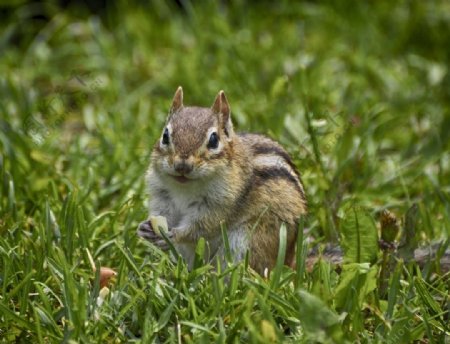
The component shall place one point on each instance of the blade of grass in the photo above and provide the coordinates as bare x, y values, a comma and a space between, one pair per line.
276, 272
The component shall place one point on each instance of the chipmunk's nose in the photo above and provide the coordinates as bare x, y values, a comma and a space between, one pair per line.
182, 166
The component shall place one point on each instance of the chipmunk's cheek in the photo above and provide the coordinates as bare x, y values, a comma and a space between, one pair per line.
197, 172
165, 166
197, 164
203, 170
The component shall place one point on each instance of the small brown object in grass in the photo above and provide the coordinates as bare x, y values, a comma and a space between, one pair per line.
105, 276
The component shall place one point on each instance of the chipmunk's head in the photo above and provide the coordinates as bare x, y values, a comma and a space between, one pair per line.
195, 142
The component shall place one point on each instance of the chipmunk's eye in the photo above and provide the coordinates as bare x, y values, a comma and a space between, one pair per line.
213, 141
165, 138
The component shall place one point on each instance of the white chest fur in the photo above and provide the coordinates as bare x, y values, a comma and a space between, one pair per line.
193, 209
182, 203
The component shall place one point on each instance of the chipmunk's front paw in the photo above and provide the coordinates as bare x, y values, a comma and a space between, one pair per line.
146, 231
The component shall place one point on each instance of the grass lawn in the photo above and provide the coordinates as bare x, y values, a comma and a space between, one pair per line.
358, 93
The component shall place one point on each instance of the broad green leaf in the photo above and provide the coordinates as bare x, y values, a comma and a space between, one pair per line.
316, 318
359, 236
356, 282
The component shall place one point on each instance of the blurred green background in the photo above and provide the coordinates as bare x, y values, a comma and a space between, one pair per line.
358, 92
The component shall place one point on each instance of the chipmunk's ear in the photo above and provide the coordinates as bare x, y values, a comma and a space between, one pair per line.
222, 108
177, 102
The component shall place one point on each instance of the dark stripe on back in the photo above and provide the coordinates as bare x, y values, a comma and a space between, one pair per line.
241, 202
260, 149
263, 174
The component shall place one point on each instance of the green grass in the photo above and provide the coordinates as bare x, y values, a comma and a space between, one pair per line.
358, 93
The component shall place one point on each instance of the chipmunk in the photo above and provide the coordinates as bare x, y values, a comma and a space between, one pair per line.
203, 175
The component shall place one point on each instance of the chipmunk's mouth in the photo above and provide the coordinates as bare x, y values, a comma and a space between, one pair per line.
181, 179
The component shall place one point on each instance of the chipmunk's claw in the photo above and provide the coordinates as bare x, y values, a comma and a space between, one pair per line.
145, 230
